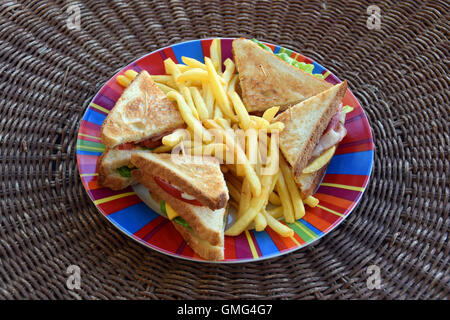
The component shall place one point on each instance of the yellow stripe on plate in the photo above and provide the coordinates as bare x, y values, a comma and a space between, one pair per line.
117, 196
329, 210
295, 240
342, 186
89, 136
86, 148
96, 106
89, 174
251, 244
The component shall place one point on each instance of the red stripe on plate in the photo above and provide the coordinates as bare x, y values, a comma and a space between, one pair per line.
170, 54
301, 58
324, 215
206, 45
354, 147
90, 128
145, 230
153, 64
118, 204
346, 179
230, 248
316, 221
166, 237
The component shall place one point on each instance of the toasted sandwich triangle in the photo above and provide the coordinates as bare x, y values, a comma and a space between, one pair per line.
267, 81
199, 177
305, 123
142, 112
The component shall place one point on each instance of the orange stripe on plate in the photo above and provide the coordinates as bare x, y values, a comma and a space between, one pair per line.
317, 222
340, 202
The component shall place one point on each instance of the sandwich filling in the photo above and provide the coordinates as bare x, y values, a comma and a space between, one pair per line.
332, 136
177, 192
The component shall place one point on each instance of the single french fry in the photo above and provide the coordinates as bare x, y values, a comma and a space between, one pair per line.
245, 198
229, 71
277, 226
123, 81
260, 221
285, 198
232, 84
199, 104
297, 203
311, 201
130, 74
219, 91
209, 98
175, 137
241, 111
216, 55
270, 113
195, 74
188, 117
164, 79
190, 102
164, 88
193, 63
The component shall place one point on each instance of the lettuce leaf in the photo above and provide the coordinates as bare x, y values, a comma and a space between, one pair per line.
125, 171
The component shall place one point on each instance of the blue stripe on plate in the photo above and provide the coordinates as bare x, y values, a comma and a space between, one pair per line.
192, 49
94, 116
265, 243
276, 50
134, 217
89, 153
310, 227
317, 68
351, 163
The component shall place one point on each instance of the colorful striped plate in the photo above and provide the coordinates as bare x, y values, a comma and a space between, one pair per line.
342, 187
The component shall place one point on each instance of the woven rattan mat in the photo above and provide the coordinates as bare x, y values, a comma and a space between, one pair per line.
398, 70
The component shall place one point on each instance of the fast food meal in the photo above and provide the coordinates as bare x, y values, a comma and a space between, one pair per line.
205, 139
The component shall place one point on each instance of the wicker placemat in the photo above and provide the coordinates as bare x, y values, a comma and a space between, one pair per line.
50, 70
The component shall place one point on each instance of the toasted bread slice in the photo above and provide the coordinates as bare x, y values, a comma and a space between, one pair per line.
203, 248
308, 182
268, 81
109, 162
142, 112
199, 177
305, 123
207, 224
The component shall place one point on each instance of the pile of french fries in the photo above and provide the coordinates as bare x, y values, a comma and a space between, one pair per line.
211, 108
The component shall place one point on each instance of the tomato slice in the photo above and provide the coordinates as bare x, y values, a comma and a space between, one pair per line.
126, 146
174, 192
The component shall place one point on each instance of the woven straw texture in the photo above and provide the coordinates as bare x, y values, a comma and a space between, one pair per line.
49, 74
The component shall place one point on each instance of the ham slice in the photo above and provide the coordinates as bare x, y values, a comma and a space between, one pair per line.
333, 134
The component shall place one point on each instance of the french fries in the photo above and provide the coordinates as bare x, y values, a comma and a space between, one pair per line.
297, 203
285, 198
219, 125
